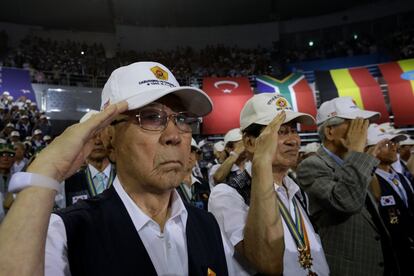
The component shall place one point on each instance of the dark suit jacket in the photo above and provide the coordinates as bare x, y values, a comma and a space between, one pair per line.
338, 198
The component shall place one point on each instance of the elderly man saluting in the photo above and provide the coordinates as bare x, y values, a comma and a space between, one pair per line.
139, 226
337, 180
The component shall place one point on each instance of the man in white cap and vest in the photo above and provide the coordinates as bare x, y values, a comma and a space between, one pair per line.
262, 211
98, 174
140, 225
337, 180
396, 198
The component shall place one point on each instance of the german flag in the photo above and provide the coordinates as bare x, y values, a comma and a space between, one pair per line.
357, 83
399, 76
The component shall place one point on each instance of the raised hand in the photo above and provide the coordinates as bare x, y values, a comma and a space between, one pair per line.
356, 136
67, 152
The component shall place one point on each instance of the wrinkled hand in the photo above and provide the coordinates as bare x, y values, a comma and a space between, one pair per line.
374, 151
64, 156
356, 136
266, 143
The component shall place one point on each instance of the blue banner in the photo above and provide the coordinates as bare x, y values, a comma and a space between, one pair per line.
17, 82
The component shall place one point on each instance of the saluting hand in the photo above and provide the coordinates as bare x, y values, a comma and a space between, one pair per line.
356, 136
266, 143
67, 152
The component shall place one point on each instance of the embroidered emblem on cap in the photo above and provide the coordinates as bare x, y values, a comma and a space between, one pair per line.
281, 103
159, 73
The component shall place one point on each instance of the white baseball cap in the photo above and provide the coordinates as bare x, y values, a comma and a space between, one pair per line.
37, 132
6, 93
407, 142
233, 135
141, 83
311, 147
14, 134
219, 146
263, 108
24, 117
376, 134
345, 108
88, 115
387, 127
10, 125
47, 138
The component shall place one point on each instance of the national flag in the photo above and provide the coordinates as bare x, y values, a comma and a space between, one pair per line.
17, 82
294, 88
357, 83
229, 96
399, 76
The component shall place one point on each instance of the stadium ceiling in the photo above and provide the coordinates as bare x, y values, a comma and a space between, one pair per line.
103, 15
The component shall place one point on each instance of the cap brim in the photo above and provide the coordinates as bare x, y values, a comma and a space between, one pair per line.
372, 116
299, 117
291, 116
193, 99
392, 137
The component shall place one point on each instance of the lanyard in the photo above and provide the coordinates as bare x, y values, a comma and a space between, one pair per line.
299, 234
186, 195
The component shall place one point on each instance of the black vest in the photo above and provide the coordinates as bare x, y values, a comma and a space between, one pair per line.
399, 220
102, 240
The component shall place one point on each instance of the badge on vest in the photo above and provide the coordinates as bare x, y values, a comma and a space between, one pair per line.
210, 272
79, 197
387, 200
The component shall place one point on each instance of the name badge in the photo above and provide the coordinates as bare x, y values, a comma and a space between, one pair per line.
79, 197
387, 200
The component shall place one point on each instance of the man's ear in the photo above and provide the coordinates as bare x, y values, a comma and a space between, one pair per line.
329, 133
249, 143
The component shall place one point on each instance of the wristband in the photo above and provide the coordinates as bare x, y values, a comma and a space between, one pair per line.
22, 180
234, 154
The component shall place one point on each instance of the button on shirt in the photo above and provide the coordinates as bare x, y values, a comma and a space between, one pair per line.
167, 250
230, 210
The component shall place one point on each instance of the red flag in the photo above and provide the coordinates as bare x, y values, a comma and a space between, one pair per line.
229, 96
400, 90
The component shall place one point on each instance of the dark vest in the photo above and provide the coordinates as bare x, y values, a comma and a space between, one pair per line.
399, 221
102, 240
200, 195
77, 187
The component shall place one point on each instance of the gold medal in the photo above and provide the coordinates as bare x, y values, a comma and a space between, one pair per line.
305, 258
392, 213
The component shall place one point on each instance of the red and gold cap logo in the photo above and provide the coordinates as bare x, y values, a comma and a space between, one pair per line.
281, 103
159, 73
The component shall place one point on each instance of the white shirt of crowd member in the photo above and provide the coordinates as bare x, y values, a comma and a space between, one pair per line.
154, 157
234, 163
219, 156
196, 171
275, 121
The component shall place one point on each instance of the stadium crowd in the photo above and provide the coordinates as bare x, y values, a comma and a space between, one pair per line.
54, 61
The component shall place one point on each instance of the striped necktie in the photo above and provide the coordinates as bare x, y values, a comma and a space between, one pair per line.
99, 181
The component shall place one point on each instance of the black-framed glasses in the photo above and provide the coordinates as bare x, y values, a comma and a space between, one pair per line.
153, 119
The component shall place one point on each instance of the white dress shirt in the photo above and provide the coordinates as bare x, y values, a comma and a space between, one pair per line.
230, 210
167, 250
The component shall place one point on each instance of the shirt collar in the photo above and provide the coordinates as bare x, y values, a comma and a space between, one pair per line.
288, 182
94, 171
386, 174
139, 218
335, 157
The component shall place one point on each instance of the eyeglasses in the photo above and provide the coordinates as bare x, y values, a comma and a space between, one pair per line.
7, 154
153, 119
